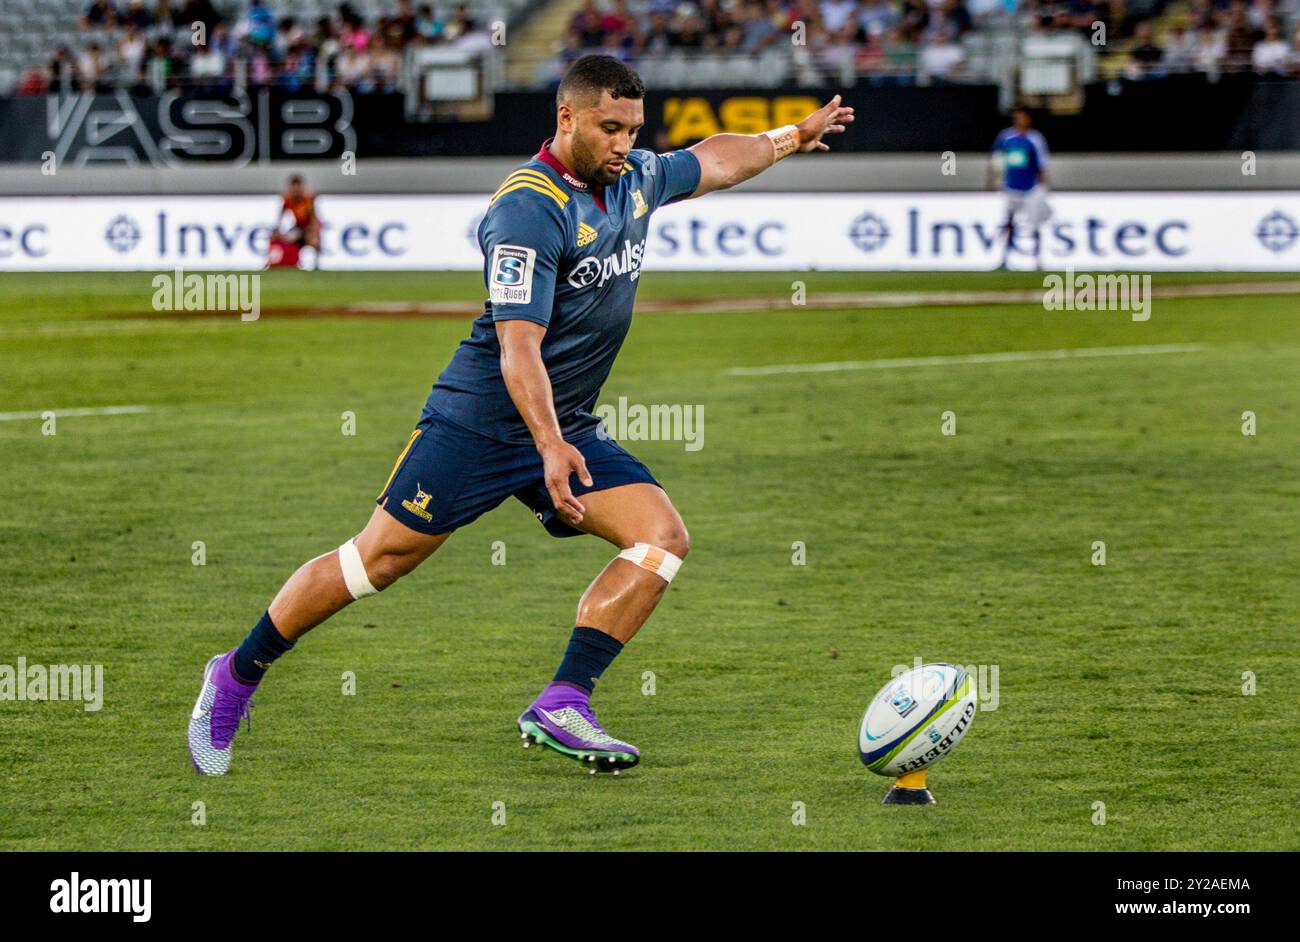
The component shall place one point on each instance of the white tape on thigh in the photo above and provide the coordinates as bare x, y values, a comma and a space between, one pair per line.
659, 561
354, 571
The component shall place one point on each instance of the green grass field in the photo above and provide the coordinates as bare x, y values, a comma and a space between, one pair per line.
1119, 684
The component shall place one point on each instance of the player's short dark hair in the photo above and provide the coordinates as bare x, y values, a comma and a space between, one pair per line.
296, 178
591, 75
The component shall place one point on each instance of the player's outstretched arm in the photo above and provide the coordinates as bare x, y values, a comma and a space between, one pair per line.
729, 159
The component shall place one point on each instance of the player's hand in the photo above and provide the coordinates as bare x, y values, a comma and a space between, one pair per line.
829, 119
559, 460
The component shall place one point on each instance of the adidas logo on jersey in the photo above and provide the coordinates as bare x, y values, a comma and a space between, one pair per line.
586, 234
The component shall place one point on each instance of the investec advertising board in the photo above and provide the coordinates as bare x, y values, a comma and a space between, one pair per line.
1118, 231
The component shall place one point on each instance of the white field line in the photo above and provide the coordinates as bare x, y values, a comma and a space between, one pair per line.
66, 413
107, 327
1010, 356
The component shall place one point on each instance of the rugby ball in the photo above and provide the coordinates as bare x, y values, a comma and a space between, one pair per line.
916, 719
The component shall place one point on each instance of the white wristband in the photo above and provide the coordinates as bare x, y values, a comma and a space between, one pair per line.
785, 140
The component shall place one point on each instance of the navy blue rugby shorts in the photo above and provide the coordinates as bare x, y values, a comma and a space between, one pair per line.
448, 476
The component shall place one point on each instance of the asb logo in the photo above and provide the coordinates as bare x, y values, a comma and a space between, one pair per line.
1277, 231
868, 232
122, 234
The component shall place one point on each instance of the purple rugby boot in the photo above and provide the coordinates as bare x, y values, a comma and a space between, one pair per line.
223, 702
561, 718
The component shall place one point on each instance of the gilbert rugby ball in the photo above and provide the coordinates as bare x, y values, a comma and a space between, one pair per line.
916, 719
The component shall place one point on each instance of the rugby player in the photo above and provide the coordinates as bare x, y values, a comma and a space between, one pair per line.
300, 205
512, 414
1022, 152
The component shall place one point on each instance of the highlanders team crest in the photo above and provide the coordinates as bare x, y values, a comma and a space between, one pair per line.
419, 505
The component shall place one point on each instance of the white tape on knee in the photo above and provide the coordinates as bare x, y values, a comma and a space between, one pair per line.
659, 561
354, 571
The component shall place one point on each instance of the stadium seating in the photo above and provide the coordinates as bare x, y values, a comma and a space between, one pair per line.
1022, 45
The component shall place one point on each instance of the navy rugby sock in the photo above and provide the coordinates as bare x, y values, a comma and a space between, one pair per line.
585, 659
260, 649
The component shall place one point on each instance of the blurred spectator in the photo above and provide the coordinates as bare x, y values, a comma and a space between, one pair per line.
1203, 14
900, 52
658, 37
875, 18
224, 43
403, 24
836, 13
208, 68
199, 11
325, 39
756, 29
1146, 58
586, 25
298, 67
690, 35
1179, 50
287, 36
130, 52
1082, 15
257, 26
35, 81
915, 19
941, 59
1259, 14
716, 18
137, 15
385, 63
427, 26
1272, 55
616, 19
838, 53
352, 67
98, 14
63, 70
160, 69
1238, 38
1207, 51
460, 24
982, 11
93, 71
615, 46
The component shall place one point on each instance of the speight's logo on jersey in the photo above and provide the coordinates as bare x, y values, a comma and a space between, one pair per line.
597, 271
511, 281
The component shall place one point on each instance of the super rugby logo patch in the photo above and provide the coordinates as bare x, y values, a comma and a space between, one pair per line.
511, 280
